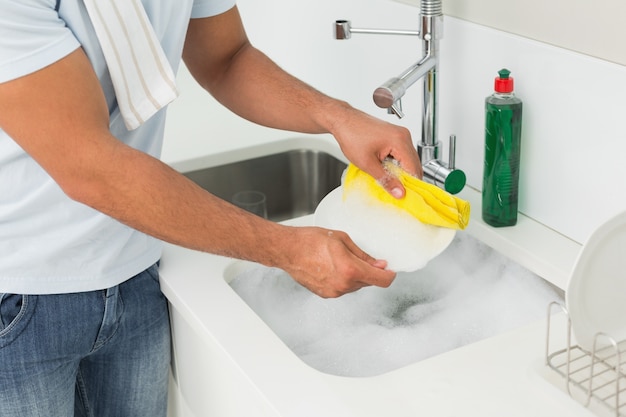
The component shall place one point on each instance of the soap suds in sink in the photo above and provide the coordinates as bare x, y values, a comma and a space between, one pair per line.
468, 293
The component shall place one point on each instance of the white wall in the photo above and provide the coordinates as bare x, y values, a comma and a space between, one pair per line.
593, 27
573, 173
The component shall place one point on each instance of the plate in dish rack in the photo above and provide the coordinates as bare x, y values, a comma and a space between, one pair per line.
383, 230
596, 291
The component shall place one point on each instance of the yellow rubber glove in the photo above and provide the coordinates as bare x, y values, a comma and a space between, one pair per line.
426, 202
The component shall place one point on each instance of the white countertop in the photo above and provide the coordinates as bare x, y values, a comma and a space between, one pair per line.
494, 377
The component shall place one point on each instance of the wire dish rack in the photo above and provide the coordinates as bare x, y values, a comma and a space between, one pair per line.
598, 376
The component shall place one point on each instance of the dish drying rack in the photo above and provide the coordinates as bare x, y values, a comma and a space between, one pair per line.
599, 375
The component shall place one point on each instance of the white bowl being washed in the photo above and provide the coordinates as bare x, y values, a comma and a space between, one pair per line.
382, 230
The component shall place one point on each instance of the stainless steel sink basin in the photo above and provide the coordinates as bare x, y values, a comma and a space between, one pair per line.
294, 182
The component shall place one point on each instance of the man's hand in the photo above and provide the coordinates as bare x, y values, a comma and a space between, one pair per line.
367, 141
329, 264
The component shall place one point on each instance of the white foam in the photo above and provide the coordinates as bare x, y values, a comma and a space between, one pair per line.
468, 293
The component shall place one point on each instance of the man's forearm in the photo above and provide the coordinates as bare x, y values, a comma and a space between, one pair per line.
259, 90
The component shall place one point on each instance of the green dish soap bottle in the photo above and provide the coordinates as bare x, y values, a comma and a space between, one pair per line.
503, 130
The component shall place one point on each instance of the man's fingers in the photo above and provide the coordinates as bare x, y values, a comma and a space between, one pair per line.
371, 271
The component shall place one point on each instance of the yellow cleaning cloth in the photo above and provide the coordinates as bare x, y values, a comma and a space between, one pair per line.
426, 202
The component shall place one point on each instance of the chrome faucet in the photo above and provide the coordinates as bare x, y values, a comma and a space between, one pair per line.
389, 95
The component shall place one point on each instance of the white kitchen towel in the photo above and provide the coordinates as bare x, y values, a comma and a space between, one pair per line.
143, 79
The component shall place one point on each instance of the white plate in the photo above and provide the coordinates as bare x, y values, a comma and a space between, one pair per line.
596, 292
382, 230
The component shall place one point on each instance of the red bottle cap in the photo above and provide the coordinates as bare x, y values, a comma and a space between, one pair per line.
503, 83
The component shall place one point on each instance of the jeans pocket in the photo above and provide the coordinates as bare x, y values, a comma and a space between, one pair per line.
153, 271
15, 313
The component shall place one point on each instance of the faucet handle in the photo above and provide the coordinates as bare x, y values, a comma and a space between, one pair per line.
447, 177
452, 152
455, 179
450, 179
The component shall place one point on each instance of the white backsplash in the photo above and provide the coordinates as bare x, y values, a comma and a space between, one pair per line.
573, 176
573, 143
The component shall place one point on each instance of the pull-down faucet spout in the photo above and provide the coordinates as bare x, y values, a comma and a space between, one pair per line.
389, 94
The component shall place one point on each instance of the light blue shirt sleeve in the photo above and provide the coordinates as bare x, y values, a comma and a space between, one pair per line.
32, 36
207, 8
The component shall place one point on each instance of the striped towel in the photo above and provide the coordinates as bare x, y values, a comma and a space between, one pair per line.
143, 79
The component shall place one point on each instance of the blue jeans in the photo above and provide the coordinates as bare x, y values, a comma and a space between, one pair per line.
94, 354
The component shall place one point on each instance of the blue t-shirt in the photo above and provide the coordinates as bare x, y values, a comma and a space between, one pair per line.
49, 243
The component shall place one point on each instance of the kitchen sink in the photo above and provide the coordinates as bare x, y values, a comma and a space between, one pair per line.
294, 181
